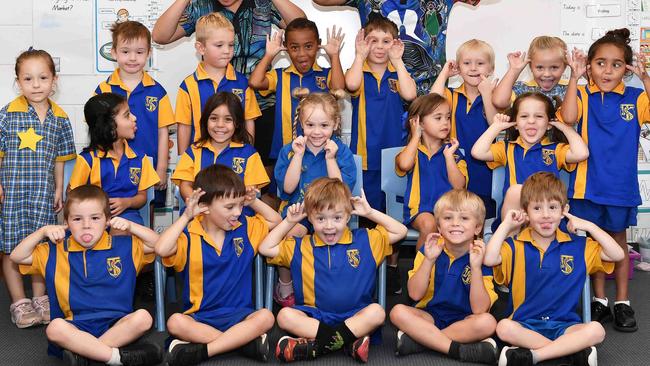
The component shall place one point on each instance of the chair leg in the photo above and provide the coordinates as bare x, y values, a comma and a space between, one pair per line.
259, 282
270, 281
586, 301
159, 279
381, 285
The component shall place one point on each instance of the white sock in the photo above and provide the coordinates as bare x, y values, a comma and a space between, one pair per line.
115, 357
626, 302
602, 301
286, 288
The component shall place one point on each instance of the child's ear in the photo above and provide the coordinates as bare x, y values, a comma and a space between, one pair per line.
200, 48
566, 209
479, 230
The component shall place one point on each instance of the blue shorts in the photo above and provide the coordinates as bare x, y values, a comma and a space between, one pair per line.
614, 219
221, 321
331, 319
442, 321
96, 326
550, 329
372, 189
159, 198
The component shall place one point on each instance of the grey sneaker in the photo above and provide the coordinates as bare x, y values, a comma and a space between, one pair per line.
23, 314
42, 306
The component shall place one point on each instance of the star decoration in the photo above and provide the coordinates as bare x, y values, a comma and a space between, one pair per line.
28, 139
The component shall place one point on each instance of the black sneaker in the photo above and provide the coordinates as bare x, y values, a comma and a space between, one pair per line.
484, 351
141, 354
600, 312
515, 356
393, 281
72, 359
406, 345
359, 349
257, 349
624, 320
586, 357
291, 349
184, 353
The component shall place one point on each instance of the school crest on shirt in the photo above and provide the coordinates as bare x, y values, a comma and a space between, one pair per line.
566, 264
467, 275
321, 82
151, 103
238, 165
353, 257
239, 93
134, 175
114, 266
238, 245
547, 156
392, 85
626, 112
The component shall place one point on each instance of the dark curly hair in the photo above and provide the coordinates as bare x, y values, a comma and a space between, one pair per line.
236, 110
617, 37
100, 112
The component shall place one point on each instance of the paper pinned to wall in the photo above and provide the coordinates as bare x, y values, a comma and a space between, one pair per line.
65, 29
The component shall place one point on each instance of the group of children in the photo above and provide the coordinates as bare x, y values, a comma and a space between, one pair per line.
327, 273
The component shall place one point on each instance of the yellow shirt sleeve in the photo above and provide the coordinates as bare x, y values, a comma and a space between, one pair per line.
104, 87
178, 259
185, 170
139, 258
560, 156
643, 108
183, 108
399, 171
272, 78
165, 112
39, 260
251, 108
489, 287
379, 244
255, 174
498, 150
257, 230
287, 246
581, 92
593, 260
447, 95
462, 166
417, 262
148, 175
80, 173
503, 271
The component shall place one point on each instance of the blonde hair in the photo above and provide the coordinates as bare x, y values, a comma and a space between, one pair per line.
211, 22
476, 45
547, 43
460, 200
543, 186
327, 101
326, 194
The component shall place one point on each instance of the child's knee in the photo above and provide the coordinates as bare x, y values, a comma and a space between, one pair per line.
265, 319
175, 323
485, 323
286, 318
376, 314
596, 331
55, 331
427, 225
506, 329
142, 320
399, 315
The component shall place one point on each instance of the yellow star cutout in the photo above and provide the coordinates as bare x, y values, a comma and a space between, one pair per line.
28, 139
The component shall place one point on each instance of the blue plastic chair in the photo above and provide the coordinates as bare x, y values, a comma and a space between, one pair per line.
394, 187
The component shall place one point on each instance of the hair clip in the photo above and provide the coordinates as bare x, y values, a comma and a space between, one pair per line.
31, 48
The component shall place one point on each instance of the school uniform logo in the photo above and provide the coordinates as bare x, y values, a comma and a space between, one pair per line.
392, 85
547, 156
626, 112
353, 257
467, 275
238, 165
151, 103
238, 244
239, 93
134, 175
114, 266
321, 82
566, 264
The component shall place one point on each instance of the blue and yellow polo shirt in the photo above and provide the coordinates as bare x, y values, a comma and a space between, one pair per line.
217, 277
610, 124
242, 158
521, 163
85, 284
377, 110
547, 284
335, 278
449, 285
468, 122
121, 178
149, 103
427, 181
283, 82
313, 167
197, 88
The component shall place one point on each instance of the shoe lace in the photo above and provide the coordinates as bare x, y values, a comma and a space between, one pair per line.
24, 308
41, 303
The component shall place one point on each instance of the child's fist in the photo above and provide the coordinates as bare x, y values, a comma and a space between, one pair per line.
54, 232
476, 253
119, 223
433, 246
330, 149
298, 145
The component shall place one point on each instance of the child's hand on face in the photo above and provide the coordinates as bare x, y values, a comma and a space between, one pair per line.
54, 232
396, 51
518, 60
433, 246
450, 149
452, 68
476, 254
330, 149
502, 122
250, 196
192, 207
514, 218
416, 128
334, 41
119, 223
298, 146
296, 213
638, 66
274, 43
360, 205
487, 84
361, 45
118, 205
559, 125
575, 223
577, 63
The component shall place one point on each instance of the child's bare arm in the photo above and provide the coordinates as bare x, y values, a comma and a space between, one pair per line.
513, 219
486, 88
163, 157
294, 170
166, 245
456, 177
569, 107
22, 254
612, 252
407, 89
148, 236
418, 284
58, 186
183, 133
269, 246
578, 150
354, 75
479, 299
448, 70
257, 79
481, 149
517, 62
405, 160
396, 230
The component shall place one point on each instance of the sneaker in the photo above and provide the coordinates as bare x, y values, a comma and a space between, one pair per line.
484, 351
624, 320
393, 281
285, 302
257, 349
586, 357
23, 314
184, 353
406, 345
600, 312
359, 349
141, 354
72, 359
515, 356
42, 306
291, 349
